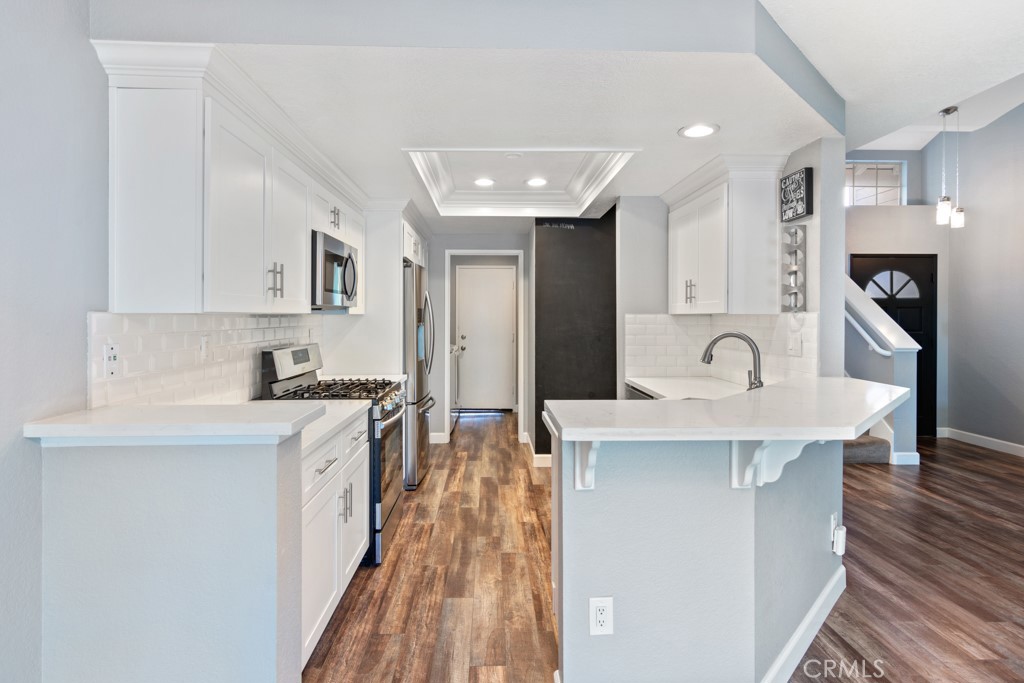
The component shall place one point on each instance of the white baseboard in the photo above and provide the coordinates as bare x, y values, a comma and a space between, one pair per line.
558, 677
905, 458
539, 460
789, 658
524, 437
439, 437
979, 440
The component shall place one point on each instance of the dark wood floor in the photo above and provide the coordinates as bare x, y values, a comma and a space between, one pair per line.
464, 594
935, 563
935, 571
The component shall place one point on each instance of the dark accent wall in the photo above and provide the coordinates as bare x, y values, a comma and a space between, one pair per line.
575, 313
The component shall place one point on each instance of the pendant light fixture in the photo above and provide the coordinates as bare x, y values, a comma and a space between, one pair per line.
944, 208
957, 218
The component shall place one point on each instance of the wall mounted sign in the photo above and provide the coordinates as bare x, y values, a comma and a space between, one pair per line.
796, 194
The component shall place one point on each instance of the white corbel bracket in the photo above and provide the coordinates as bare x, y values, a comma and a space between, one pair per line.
754, 464
586, 463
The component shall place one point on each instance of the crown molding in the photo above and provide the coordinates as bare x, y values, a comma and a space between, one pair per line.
596, 170
723, 168
202, 66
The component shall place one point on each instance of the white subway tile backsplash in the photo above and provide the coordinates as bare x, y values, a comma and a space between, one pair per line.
670, 345
160, 355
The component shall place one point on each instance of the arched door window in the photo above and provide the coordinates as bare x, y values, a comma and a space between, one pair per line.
892, 283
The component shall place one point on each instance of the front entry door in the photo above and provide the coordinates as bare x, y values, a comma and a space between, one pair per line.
904, 286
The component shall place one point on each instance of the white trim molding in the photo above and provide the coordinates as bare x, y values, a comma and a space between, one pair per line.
904, 458
789, 658
204, 67
722, 168
439, 437
597, 168
984, 441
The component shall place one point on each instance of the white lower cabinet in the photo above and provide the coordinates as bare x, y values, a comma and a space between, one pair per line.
355, 527
321, 578
335, 524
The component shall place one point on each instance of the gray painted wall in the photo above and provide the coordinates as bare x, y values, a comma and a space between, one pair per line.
826, 247
913, 169
692, 25
53, 190
642, 265
986, 325
436, 273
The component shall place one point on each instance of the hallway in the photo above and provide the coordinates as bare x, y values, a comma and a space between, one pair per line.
464, 593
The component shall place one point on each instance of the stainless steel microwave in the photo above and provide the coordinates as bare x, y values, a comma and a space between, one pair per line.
335, 273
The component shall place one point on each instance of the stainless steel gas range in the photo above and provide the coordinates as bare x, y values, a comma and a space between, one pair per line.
290, 373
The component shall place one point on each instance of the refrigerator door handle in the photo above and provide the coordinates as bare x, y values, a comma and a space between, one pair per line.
430, 404
429, 315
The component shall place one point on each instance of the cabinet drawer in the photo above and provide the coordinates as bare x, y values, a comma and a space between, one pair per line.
319, 466
354, 435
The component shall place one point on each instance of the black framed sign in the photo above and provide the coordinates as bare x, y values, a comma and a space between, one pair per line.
796, 194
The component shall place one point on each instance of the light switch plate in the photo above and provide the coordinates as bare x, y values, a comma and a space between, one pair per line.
795, 344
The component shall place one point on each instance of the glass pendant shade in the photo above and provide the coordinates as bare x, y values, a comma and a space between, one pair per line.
956, 219
943, 210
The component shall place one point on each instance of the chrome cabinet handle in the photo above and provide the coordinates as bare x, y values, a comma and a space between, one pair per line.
359, 435
327, 466
278, 272
344, 506
350, 499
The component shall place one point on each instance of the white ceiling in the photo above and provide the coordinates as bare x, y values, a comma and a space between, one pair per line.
364, 105
898, 62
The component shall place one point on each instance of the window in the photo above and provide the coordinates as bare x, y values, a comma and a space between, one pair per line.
874, 183
892, 283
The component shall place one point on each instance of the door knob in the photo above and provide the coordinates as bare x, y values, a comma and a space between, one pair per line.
463, 348
463, 337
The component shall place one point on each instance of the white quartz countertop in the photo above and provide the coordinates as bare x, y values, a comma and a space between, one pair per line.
338, 414
807, 408
685, 387
266, 421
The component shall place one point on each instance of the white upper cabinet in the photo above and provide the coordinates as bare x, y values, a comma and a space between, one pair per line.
213, 191
698, 248
724, 239
238, 188
415, 247
290, 245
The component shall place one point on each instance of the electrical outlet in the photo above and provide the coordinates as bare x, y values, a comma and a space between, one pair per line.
601, 623
112, 360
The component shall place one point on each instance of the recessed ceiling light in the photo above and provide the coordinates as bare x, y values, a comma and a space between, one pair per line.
536, 182
698, 130
513, 155
483, 182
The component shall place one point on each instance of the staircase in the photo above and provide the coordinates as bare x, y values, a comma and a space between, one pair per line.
866, 448
879, 350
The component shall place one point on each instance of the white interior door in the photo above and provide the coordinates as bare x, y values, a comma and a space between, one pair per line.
485, 328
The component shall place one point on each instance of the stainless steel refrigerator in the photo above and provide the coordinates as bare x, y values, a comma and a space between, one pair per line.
420, 339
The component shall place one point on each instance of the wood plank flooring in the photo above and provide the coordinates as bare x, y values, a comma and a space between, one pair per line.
464, 594
935, 563
935, 572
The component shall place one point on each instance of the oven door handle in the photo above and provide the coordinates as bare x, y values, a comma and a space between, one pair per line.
392, 420
430, 404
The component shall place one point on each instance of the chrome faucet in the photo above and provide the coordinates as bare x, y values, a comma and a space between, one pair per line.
753, 376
